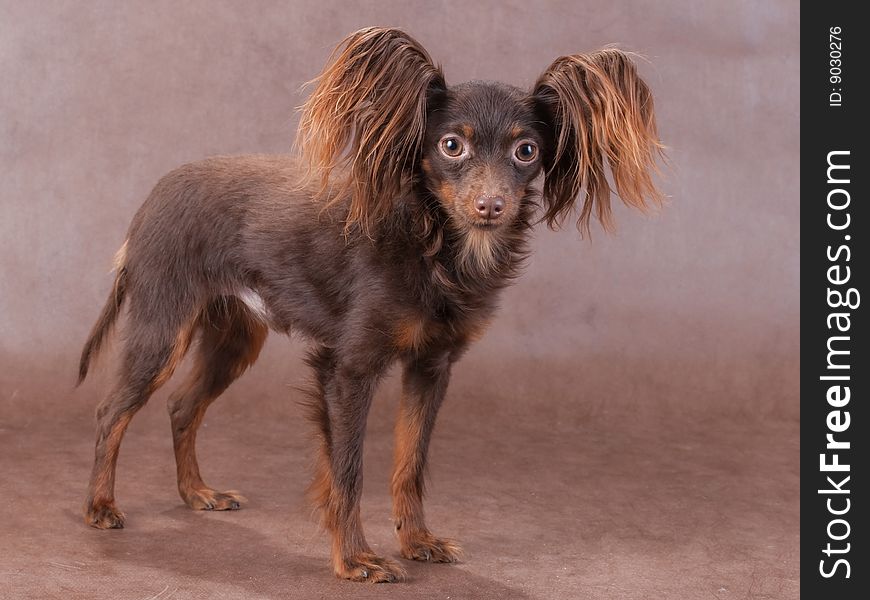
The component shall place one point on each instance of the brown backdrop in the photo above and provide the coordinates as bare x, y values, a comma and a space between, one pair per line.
627, 428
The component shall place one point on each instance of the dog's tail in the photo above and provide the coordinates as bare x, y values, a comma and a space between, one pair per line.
107, 317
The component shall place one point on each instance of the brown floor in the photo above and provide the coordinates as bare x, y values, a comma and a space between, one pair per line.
572, 501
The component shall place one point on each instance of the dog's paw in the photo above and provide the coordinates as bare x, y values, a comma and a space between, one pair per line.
104, 516
208, 499
370, 568
426, 547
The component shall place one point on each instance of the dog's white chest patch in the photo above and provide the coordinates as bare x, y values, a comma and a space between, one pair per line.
254, 302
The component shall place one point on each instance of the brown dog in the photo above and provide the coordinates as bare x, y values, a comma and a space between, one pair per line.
389, 239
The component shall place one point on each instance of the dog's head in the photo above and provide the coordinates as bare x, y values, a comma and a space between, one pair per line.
382, 117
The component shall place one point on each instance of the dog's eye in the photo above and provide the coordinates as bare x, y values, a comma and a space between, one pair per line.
452, 147
526, 152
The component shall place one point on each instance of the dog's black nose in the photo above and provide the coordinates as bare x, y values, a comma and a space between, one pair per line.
489, 207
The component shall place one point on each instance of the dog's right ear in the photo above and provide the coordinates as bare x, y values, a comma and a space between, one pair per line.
362, 129
601, 114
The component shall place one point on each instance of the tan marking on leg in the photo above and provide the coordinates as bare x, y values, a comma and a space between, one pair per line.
415, 539
100, 509
104, 478
179, 349
406, 484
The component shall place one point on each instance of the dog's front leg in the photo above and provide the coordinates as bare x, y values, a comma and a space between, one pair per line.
424, 385
346, 394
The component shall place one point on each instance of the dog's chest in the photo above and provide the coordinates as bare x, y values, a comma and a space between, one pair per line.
416, 333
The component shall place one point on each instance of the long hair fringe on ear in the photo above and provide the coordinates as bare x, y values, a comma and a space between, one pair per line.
362, 127
602, 112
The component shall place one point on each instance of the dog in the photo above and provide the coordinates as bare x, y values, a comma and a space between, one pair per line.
387, 236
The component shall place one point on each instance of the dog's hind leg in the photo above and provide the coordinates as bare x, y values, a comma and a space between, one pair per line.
149, 357
230, 341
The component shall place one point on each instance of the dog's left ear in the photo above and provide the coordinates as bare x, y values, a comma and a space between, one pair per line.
362, 128
600, 112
